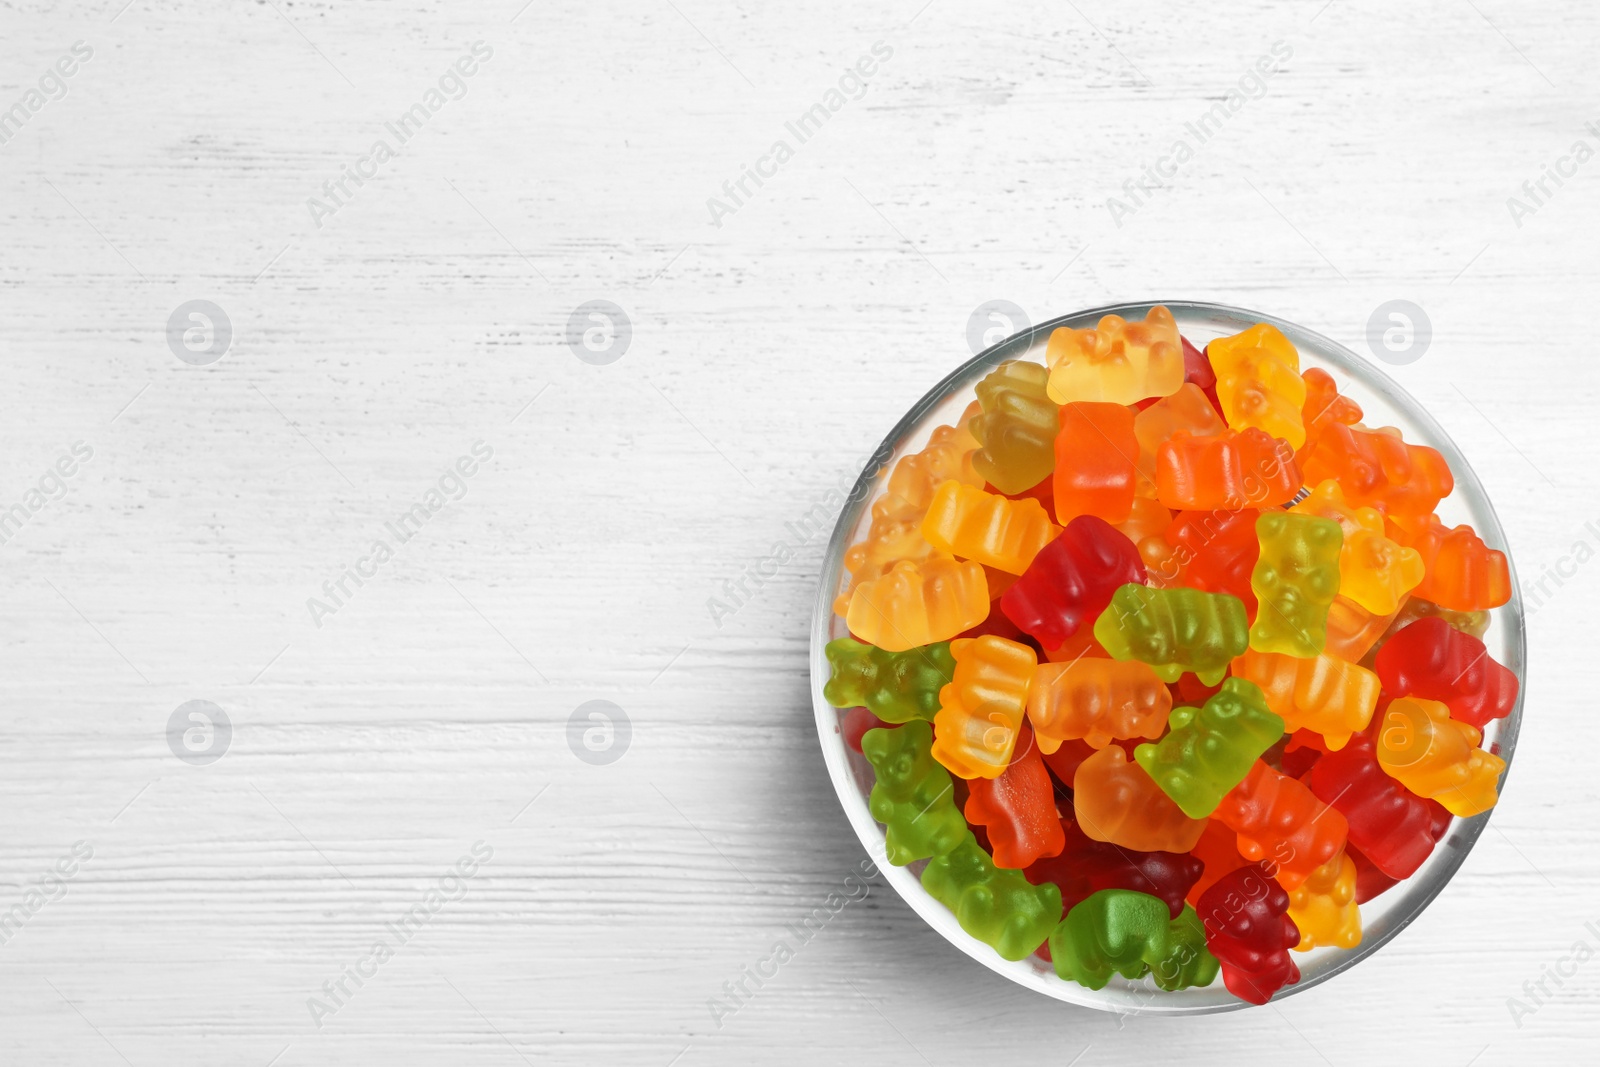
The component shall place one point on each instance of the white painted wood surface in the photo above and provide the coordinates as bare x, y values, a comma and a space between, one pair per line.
768, 355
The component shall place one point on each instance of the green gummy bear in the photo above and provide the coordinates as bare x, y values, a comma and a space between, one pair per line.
1174, 630
1131, 934
1209, 750
1114, 930
997, 906
913, 795
1187, 962
1295, 581
894, 686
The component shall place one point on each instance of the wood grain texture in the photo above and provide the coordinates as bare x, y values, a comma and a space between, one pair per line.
769, 354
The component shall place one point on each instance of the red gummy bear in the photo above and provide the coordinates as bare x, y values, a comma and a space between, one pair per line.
1387, 823
1070, 582
1249, 930
854, 724
1433, 660
1370, 881
1282, 823
1018, 809
1086, 866
1216, 551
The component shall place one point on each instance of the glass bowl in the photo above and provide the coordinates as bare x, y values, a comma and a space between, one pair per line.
1385, 404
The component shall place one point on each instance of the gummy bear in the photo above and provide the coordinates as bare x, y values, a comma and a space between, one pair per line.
1471, 623
1324, 907
1174, 630
1259, 383
1187, 962
1321, 693
1071, 580
1146, 519
1117, 362
1282, 823
1218, 852
1433, 660
1463, 573
896, 530
1114, 800
1097, 700
1295, 580
1370, 879
1018, 809
1129, 933
1249, 931
1017, 430
1379, 470
1374, 571
1215, 551
1324, 406
999, 907
919, 604
1188, 410
912, 796
1250, 468
1097, 458
981, 710
894, 686
1434, 756
1391, 826
1353, 630
994, 530
1085, 866
1209, 750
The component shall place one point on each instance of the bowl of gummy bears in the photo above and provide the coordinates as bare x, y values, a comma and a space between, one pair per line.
1167, 658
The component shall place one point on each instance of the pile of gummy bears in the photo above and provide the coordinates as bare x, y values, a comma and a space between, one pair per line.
1164, 662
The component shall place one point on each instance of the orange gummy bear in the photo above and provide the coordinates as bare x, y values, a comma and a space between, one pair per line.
1114, 800
1379, 470
1323, 693
1232, 470
1097, 458
1097, 701
1280, 820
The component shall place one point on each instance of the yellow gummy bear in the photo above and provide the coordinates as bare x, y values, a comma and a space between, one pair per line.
918, 604
1432, 755
1259, 383
980, 711
1117, 362
1324, 907
1375, 571
994, 530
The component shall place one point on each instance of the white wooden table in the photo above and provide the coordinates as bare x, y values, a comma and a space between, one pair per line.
377, 740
